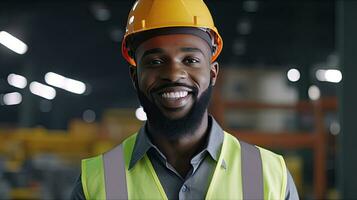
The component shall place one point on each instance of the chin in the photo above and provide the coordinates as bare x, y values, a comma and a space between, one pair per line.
175, 114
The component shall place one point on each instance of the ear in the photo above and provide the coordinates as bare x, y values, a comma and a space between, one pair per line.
214, 72
133, 75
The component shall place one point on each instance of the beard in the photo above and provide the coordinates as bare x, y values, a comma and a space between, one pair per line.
176, 128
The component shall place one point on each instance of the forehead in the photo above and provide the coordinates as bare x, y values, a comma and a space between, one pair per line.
173, 42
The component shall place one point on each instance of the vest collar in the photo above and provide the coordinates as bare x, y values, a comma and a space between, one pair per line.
213, 147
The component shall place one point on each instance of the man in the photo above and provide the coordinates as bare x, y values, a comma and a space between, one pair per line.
181, 152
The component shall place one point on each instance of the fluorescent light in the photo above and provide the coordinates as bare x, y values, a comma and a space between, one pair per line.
17, 81
293, 75
42, 90
330, 75
333, 75
12, 98
12, 43
55, 79
65, 83
75, 86
314, 92
320, 75
140, 114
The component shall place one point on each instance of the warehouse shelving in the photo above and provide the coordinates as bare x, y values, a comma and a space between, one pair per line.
315, 140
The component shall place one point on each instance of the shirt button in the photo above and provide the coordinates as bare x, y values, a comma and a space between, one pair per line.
185, 188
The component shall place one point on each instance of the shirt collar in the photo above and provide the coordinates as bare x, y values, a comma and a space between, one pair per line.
215, 139
143, 143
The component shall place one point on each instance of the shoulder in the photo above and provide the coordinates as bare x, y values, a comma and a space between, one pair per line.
94, 161
274, 168
267, 154
273, 164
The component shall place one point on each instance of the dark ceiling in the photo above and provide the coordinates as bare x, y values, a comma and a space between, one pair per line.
66, 38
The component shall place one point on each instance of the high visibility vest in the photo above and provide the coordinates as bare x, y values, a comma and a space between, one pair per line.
250, 172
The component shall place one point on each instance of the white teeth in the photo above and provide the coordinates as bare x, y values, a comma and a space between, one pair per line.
174, 95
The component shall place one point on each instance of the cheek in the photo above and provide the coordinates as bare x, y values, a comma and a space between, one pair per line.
146, 81
203, 79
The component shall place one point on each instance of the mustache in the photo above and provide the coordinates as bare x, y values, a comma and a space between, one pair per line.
166, 85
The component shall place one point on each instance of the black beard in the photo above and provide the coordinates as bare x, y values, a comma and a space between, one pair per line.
176, 128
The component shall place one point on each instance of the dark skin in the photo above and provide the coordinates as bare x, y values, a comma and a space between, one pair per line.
177, 58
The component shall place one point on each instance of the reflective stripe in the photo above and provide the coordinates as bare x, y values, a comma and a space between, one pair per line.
252, 172
114, 173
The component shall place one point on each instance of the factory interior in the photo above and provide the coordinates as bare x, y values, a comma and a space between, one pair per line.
285, 84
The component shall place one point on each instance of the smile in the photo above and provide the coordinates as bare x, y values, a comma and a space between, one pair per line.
174, 95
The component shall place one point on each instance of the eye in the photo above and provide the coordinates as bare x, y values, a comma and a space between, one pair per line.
190, 60
155, 62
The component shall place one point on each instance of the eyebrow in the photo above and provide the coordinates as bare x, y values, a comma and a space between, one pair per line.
152, 51
191, 49
159, 50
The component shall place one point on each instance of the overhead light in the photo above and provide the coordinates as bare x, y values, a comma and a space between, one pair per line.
329, 75
335, 128
89, 116
12, 43
12, 98
42, 90
140, 114
333, 75
65, 83
100, 11
293, 75
17, 81
244, 27
314, 92
251, 6
75, 86
116, 35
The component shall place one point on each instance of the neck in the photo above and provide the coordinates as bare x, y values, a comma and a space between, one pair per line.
179, 151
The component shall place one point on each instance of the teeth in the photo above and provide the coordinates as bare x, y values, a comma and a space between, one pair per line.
174, 95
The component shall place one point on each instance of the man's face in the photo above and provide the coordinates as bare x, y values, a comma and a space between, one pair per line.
173, 79
173, 71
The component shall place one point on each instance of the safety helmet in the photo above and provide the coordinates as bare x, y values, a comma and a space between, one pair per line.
154, 14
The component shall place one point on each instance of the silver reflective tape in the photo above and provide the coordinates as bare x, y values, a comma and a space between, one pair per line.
252, 172
114, 173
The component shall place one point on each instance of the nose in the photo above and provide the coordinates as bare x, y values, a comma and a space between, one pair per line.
173, 72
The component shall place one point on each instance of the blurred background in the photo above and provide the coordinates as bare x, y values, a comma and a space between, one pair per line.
286, 83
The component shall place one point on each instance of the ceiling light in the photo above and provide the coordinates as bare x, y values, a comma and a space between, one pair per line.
140, 114
12, 98
329, 75
17, 81
314, 92
12, 43
65, 83
42, 90
293, 75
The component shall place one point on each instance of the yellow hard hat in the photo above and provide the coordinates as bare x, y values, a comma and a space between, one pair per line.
153, 14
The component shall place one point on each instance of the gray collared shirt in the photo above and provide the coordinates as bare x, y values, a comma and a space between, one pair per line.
196, 182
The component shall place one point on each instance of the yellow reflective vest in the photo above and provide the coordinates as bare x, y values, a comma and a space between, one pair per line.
143, 183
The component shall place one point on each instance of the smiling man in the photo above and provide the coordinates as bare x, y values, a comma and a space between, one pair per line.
181, 152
